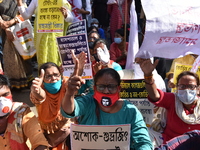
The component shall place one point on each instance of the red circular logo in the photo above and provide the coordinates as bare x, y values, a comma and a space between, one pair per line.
5, 109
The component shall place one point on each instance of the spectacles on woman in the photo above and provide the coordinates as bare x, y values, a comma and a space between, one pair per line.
49, 76
110, 87
188, 86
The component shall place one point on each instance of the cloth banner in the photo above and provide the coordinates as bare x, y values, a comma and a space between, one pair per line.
133, 45
172, 28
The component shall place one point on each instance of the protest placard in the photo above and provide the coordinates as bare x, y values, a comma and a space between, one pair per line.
135, 92
50, 18
78, 27
182, 67
100, 137
76, 43
172, 28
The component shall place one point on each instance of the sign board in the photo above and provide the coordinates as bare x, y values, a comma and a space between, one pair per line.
50, 18
100, 137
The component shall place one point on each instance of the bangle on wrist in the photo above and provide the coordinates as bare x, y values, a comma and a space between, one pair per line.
150, 83
148, 77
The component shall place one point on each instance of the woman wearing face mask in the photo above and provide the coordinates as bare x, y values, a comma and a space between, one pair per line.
95, 23
183, 107
105, 107
118, 49
102, 58
47, 92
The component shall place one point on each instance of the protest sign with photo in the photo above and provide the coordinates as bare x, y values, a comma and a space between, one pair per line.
50, 18
100, 137
172, 28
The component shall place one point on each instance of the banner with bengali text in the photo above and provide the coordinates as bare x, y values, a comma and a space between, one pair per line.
76, 43
50, 18
172, 28
100, 137
78, 27
135, 92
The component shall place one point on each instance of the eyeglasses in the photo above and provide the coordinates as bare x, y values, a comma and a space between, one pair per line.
110, 87
92, 39
48, 77
189, 86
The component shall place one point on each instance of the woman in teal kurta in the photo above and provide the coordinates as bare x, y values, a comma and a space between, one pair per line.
105, 107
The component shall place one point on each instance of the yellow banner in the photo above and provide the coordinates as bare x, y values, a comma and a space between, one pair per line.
50, 18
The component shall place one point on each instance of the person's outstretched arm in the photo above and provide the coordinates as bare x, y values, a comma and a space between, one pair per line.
147, 68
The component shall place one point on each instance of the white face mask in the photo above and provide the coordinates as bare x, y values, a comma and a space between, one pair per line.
96, 25
187, 96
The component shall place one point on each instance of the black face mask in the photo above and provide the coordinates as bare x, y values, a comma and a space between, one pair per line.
96, 57
91, 44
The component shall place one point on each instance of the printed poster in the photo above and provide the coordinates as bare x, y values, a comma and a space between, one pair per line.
50, 18
100, 137
76, 43
78, 27
172, 28
135, 92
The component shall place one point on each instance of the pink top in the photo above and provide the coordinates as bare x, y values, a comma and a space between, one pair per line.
115, 52
174, 125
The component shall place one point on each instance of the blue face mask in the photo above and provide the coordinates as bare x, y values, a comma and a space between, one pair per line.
53, 88
187, 96
117, 40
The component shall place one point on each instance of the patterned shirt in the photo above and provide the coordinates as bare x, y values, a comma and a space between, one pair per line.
22, 125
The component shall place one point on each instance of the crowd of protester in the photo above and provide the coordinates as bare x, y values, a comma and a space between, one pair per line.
61, 100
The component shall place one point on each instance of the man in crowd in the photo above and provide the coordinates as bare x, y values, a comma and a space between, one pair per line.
18, 123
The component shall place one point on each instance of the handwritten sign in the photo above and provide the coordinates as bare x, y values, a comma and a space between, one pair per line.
77, 43
50, 18
78, 27
99, 137
172, 29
